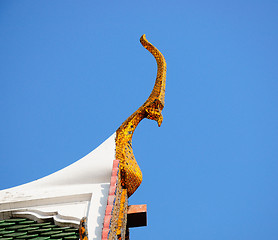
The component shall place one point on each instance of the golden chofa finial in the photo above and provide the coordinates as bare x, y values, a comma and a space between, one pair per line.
131, 175
155, 102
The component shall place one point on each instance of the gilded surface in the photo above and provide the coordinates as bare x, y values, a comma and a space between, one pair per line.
131, 175
119, 213
122, 220
83, 233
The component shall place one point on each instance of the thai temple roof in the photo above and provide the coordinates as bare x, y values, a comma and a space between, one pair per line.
89, 198
79, 190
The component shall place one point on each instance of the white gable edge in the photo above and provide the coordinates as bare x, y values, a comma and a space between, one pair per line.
79, 190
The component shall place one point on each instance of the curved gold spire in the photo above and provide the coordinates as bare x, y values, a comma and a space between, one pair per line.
131, 175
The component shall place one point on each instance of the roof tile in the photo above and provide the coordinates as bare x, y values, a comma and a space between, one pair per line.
22, 228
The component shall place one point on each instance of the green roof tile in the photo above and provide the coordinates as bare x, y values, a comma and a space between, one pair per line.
27, 236
65, 228
21, 228
6, 224
49, 233
5, 232
41, 230
15, 234
40, 238
50, 226
17, 226
72, 237
63, 234
27, 222
62, 228
28, 229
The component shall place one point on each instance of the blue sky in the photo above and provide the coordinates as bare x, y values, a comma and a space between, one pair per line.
73, 71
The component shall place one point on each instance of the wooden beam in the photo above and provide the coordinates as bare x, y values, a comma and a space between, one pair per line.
137, 215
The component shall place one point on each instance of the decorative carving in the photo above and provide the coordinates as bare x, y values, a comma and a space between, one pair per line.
83, 233
131, 175
40, 216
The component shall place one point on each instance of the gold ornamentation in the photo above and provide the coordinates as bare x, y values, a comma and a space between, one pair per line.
122, 215
83, 233
131, 175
